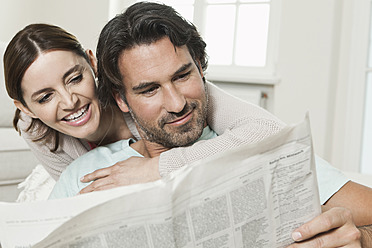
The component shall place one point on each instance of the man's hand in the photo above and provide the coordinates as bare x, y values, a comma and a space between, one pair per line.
131, 171
366, 232
333, 228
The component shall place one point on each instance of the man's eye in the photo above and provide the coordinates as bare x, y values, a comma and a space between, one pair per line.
150, 91
45, 98
183, 76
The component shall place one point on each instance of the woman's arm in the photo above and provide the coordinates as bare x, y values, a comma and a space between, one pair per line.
54, 162
235, 121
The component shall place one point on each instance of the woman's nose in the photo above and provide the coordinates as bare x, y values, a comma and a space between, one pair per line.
68, 100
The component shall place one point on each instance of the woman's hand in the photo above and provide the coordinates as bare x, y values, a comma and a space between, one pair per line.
134, 170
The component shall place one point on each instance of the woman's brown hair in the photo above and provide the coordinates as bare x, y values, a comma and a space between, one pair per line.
21, 52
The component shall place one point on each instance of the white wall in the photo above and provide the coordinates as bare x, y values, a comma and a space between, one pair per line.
308, 62
321, 69
351, 85
306, 66
83, 18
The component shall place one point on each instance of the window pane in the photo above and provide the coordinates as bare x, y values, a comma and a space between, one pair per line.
219, 33
252, 33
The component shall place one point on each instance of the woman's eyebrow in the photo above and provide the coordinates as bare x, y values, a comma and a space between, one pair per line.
35, 94
71, 70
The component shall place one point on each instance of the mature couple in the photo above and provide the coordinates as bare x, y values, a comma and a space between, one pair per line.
151, 64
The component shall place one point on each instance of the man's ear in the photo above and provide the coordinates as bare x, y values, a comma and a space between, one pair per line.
24, 109
92, 60
120, 102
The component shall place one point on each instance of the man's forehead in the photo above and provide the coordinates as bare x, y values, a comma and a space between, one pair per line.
152, 62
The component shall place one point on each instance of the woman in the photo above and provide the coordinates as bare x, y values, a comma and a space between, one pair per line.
52, 82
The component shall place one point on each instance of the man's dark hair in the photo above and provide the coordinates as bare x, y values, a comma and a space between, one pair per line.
142, 23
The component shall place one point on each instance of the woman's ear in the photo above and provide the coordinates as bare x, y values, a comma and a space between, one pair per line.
92, 60
24, 109
120, 102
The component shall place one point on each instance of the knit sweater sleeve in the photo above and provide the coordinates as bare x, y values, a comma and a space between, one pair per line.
235, 121
54, 162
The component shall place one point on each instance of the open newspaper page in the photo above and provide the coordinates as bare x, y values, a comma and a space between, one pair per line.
253, 196
33, 221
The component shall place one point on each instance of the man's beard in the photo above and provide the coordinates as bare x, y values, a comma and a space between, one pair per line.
168, 136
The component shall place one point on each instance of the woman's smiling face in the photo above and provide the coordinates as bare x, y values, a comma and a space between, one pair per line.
59, 89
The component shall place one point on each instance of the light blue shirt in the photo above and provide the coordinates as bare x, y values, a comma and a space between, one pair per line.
330, 179
69, 183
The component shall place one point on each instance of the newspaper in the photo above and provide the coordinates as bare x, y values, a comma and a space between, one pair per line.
252, 196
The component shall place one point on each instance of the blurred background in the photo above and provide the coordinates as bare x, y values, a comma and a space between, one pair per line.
289, 56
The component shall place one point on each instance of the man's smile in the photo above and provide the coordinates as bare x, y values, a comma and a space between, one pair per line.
182, 120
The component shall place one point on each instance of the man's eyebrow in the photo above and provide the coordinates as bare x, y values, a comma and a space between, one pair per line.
71, 70
144, 85
183, 68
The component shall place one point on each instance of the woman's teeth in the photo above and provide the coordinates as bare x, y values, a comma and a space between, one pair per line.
78, 114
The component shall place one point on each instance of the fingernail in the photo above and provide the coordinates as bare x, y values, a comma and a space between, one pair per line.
81, 178
296, 236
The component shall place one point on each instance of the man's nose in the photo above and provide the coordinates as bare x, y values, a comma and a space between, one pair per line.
174, 100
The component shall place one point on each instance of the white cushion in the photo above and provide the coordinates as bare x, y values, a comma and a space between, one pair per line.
7, 107
16, 163
11, 141
37, 186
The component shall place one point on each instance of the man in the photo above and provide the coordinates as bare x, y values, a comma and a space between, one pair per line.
156, 72
172, 112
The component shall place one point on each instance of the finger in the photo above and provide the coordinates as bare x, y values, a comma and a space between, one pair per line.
97, 174
105, 187
87, 189
104, 172
96, 185
346, 236
99, 188
329, 220
93, 189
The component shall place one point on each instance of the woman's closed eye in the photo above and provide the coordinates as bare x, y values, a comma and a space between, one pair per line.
76, 79
45, 98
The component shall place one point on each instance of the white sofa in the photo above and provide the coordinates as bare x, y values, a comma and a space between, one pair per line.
16, 160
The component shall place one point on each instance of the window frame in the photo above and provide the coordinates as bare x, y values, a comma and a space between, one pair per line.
246, 74
266, 75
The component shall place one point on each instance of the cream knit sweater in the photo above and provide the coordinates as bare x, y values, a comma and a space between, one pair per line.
235, 121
